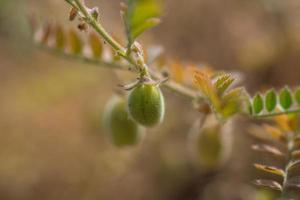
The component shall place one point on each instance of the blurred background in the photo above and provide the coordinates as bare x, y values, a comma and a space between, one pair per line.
52, 145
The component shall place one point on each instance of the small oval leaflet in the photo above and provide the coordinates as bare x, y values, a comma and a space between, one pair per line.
258, 104
285, 98
224, 82
270, 100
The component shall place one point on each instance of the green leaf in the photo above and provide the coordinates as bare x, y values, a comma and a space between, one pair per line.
297, 95
270, 100
140, 16
258, 104
232, 102
224, 82
285, 98
143, 27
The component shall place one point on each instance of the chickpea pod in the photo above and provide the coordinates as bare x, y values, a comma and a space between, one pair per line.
146, 104
210, 143
123, 131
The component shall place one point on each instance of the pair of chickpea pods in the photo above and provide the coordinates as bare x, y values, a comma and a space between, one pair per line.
125, 119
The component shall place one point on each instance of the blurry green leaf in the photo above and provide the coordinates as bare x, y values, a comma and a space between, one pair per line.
297, 95
258, 104
285, 98
232, 101
143, 27
224, 82
140, 16
270, 100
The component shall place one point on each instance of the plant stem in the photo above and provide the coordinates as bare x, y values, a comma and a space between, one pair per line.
108, 38
176, 87
87, 60
290, 147
99, 28
277, 113
171, 85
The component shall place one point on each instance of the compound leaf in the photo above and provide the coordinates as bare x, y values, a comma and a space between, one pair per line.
224, 82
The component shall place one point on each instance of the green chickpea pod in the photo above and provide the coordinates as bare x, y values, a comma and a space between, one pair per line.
146, 104
123, 131
210, 143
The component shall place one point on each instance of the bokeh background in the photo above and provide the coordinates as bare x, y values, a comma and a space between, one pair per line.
51, 142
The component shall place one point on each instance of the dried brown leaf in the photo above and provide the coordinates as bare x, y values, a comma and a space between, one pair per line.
267, 149
270, 169
268, 183
95, 45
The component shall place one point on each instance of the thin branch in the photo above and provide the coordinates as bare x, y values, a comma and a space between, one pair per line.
277, 113
98, 27
171, 85
290, 147
176, 87
83, 59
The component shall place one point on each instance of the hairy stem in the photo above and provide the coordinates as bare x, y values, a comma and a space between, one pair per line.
175, 87
99, 28
122, 51
277, 113
290, 147
171, 85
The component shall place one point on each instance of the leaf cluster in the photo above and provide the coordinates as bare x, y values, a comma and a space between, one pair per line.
280, 141
220, 94
274, 103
